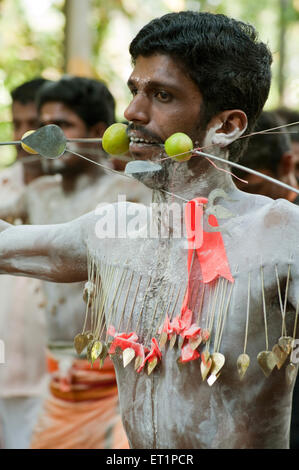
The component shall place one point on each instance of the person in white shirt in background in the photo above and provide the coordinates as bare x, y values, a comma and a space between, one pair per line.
23, 374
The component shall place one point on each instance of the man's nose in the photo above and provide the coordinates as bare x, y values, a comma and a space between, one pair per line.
138, 110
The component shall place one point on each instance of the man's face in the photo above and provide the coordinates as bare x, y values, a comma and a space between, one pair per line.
165, 100
73, 127
25, 118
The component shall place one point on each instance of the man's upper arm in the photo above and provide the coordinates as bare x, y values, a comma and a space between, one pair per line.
49, 252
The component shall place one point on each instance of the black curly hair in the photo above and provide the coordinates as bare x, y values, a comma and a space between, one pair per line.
90, 99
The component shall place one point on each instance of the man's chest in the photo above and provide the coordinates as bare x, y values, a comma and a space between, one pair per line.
144, 289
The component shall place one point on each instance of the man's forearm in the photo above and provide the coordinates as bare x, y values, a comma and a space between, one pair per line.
43, 251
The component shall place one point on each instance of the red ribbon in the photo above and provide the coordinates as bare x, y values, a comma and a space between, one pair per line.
210, 251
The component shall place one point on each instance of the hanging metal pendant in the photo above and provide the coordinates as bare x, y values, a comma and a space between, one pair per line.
291, 372
243, 362
181, 342
206, 364
80, 342
280, 354
151, 365
94, 350
286, 343
138, 362
128, 356
163, 339
267, 361
218, 362
172, 341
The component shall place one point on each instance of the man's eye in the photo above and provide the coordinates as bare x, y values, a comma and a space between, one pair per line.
133, 91
163, 96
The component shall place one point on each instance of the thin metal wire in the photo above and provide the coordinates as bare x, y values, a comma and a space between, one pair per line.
248, 170
11, 142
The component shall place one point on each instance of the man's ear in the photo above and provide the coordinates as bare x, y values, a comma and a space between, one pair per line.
98, 129
226, 127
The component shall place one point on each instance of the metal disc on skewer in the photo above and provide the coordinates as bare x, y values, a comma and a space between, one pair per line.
48, 141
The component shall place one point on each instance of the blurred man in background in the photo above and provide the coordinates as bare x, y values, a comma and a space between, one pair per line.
273, 155
270, 154
23, 375
288, 116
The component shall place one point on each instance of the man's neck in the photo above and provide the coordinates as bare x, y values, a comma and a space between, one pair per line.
186, 183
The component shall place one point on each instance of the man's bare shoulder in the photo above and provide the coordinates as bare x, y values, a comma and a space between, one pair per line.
275, 221
278, 211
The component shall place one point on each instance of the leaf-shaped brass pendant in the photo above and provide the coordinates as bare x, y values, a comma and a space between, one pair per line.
151, 365
181, 342
172, 341
128, 356
243, 362
138, 362
206, 364
291, 372
267, 361
218, 361
195, 342
80, 342
285, 343
280, 354
163, 339
94, 350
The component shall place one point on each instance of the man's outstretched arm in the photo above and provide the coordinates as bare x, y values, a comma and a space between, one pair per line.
50, 252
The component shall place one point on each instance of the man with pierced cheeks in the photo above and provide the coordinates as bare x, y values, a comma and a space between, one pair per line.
208, 76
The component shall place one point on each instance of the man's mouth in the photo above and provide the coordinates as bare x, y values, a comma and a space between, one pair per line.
142, 141
142, 147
